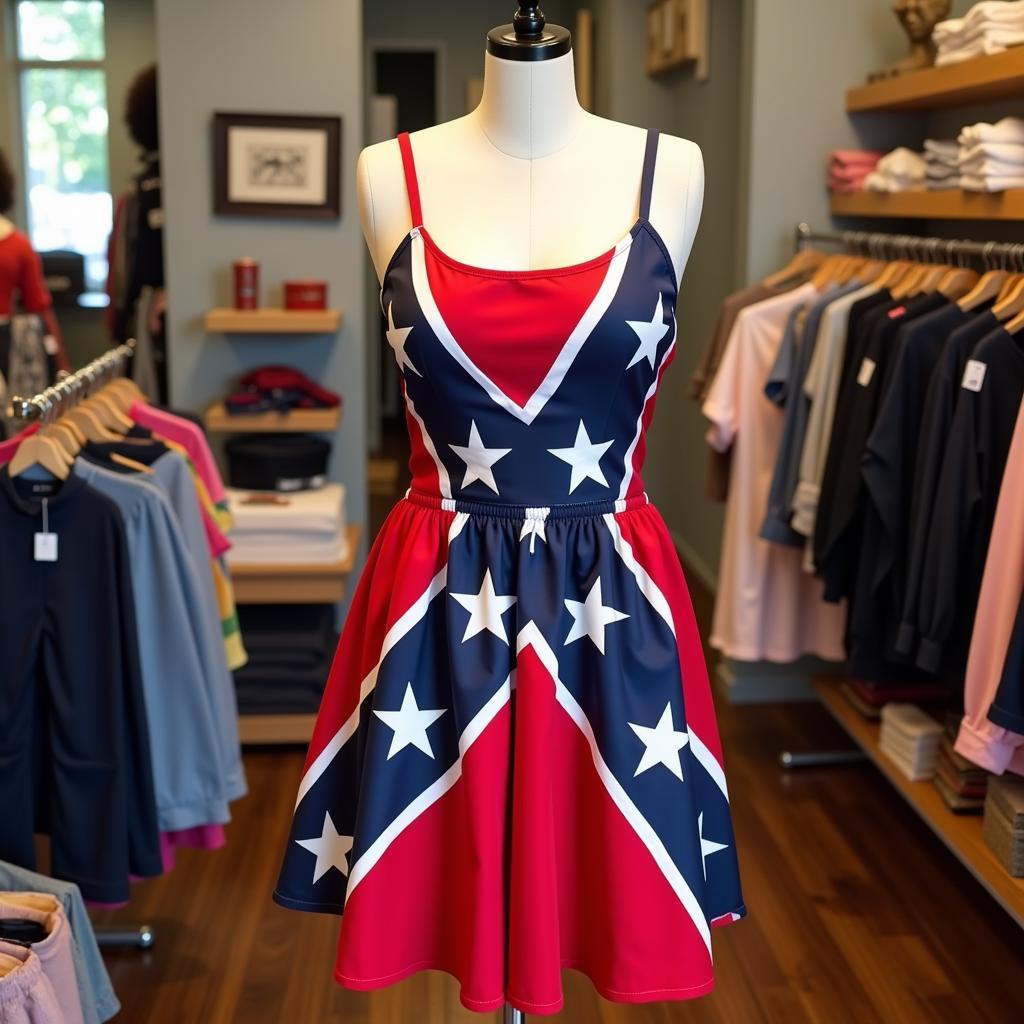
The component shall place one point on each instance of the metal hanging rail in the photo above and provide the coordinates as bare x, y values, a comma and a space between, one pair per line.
884, 245
72, 387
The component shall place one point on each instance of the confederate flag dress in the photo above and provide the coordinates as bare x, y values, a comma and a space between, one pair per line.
516, 766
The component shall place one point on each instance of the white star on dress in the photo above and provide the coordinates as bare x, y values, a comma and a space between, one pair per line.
590, 617
409, 724
662, 745
396, 339
584, 457
330, 850
478, 459
650, 334
707, 846
485, 610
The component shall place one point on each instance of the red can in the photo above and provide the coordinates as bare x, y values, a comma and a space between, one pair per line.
307, 294
247, 284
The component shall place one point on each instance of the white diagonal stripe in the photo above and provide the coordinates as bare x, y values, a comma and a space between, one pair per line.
400, 628
659, 603
547, 387
433, 792
531, 636
442, 474
627, 475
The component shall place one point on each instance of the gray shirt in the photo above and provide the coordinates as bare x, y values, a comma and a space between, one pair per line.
189, 773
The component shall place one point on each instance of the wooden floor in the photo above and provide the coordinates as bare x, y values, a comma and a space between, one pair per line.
857, 913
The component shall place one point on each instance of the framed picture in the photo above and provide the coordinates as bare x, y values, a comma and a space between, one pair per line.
277, 165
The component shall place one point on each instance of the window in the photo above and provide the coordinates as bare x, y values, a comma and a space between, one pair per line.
62, 79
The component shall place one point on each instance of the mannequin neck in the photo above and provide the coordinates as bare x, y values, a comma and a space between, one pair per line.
529, 108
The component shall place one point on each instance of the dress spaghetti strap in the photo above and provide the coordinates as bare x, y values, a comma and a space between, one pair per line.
411, 184
647, 178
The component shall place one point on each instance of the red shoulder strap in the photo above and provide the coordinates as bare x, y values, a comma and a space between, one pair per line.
411, 184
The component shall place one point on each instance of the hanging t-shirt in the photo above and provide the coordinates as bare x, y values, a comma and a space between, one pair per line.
766, 607
837, 535
936, 420
965, 501
887, 468
777, 525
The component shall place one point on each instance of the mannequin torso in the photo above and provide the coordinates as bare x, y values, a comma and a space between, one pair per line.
529, 184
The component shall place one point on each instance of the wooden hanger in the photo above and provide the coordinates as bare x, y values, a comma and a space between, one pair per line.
40, 450
1010, 304
892, 273
803, 263
62, 433
987, 289
88, 423
829, 272
958, 283
138, 467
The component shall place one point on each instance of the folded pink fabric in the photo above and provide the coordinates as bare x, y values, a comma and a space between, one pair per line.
854, 157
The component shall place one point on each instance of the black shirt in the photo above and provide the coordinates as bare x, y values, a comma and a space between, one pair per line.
965, 501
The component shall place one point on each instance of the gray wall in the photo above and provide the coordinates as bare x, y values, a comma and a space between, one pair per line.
459, 27
261, 55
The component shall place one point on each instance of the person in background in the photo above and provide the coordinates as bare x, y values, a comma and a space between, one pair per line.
22, 288
138, 300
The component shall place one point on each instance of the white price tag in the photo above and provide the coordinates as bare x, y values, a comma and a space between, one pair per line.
46, 547
974, 375
867, 371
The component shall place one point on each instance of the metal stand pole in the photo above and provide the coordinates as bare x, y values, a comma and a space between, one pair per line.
820, 758
513, 1016
141, 937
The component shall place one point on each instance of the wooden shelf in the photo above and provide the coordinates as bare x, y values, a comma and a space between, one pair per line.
940, 204
273, 321
291, 583
961, 833
980, 80
273, 729
219, 421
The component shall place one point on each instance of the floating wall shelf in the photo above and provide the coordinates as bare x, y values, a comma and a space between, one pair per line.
944, 204
980, 80
273, 321
219, 421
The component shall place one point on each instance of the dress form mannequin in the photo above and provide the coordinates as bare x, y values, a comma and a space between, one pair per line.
529, 179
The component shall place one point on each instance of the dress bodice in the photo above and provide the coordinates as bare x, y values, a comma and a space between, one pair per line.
530, 388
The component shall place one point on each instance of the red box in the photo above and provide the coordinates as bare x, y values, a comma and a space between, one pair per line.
305, 294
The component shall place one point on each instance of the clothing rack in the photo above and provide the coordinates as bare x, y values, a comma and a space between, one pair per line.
71, 388
883, 245
44, 408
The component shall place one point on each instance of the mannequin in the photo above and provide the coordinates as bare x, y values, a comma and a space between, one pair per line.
529, 179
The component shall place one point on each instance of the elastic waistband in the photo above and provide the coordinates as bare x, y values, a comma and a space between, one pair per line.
498, 510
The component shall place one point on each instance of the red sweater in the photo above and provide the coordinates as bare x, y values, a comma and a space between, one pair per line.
21, 272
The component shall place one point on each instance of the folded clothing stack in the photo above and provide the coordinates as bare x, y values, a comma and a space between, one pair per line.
290, 649
902, 170
273, 528
278, 389
988, 27
1003, 827
992, 155
942, 163
961, 784
869, 697
847, 168
910, 738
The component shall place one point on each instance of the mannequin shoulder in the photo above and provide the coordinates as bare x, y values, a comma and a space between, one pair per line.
678, 196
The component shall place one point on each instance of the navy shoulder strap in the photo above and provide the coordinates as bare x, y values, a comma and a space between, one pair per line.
647, 178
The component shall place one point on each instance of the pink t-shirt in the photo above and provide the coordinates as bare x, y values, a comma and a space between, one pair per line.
979, 740
767, 607
190, 437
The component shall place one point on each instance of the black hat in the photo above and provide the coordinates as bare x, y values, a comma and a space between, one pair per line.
278, 462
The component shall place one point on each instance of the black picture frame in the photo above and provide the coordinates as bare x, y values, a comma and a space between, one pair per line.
226, 205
